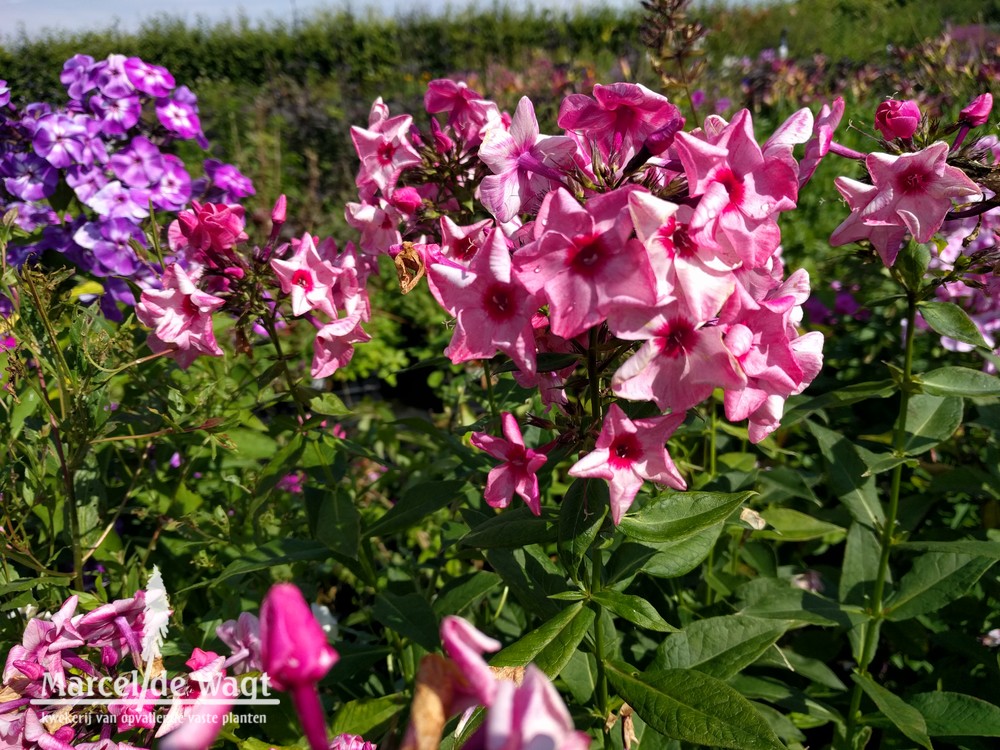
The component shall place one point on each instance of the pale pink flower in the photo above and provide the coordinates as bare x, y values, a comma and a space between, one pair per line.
378, 223
822, 137
525, 165
531, 716
629, 452
517, 473
307, 278
351, 742
466, 646
242, 635
333, 346
384, 148
583, 261
135, 708
180, 315
200, 724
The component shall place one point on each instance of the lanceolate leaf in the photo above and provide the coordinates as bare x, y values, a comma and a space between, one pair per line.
957, 715
677, 516
935, 579
846, 472
552, 645
514, 527
960, 381
929, 420
580, 517
690, 706
952, 321
907, 719
635, 609
719, 646
417, 503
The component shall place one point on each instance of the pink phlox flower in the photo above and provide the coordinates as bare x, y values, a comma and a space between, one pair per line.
531, 716
583, 262
385, 151
465, 645
378, 223
822, 137
897, 118
135, 708
181, 317
550, 384
519, 471
887, 239
467, 111
682, 267
629, 452
205, 665
351, 742
307, 278
461, 243
915, 190
36, 734
41, 651
198, 725
116, 628
740, 190
798, 128
977, 112
525, 165
681, 361
618, 118
493, 309
208, 232
333, 346
242, 635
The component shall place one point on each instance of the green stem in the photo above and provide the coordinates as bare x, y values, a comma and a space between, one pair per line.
596, 583
488, 375
593, 376
869, 641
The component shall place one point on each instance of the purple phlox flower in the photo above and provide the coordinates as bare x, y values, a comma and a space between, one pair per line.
116, 116
228, 184
111, 79
108, 240
178, 114
140, 164
154, 80
519, 471
629, 452
296, 656
32, 216
78, 76
242, 635
28, 176
86, 181
59, 139
115, 201
525, 165
173, 191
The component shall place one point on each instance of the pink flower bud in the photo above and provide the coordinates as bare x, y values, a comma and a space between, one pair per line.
897, 119
293, 645
406, 199
978, 111
280, 210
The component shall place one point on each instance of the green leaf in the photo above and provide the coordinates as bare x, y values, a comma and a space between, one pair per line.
690, 706
846, 471
278, 552
679, 558
514, 527
581, 514
366, 715
328, 405
409, 615
552, 645
861, 558
935, 579
460, 594
962, 546
778, 599
531, 576
679, 515
948, 319
929, 420
792, 526
907, 719
957, 715
719, 646
635, 609
415, 505
338, 523
960, 381
800, 407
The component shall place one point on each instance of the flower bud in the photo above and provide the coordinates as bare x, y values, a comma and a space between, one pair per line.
293, 645
280, 210
406, 199
897, 119
978, 111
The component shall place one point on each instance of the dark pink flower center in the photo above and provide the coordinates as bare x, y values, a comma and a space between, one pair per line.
913, 180
676, 338
498, 302
385, 152
624, 451
464, 248
588, 254
303, 278
674, 238
733, 185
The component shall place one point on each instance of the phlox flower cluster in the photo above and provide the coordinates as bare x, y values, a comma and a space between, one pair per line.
84, 655
85, 175
210, 272
625, 234
912, 193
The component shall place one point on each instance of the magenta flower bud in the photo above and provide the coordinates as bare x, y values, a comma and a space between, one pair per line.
280, 210
296, 656
406, 199
897, 119
978, 111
